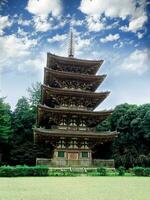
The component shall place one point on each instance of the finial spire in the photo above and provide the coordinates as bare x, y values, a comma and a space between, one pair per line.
71, 43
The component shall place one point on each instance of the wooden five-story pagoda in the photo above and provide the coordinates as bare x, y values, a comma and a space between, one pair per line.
66, 118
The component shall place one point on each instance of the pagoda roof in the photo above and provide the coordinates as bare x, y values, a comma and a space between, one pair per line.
93, 80
76, 61
75, 134
56, 114
75, 92
44, 112
96, 98
74, 112
78, 76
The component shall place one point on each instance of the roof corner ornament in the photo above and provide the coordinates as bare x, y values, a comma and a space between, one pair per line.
71, 44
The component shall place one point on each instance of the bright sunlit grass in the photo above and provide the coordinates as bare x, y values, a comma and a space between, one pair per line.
75, 188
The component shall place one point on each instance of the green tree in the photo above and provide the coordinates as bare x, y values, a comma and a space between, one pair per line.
24, 151
34, 94
146, 125
133, 142
23, 121
5, 130
104, 126
27, 152
118, 112
5, 121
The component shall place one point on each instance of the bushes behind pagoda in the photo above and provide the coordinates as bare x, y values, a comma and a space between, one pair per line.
141, 171
11, 171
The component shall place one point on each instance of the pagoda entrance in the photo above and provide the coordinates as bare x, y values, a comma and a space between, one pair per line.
73, 155
73, 158
69, 156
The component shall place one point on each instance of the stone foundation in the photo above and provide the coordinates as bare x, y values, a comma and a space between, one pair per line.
75, 163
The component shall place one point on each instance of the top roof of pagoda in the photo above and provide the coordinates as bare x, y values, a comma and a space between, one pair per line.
72, 60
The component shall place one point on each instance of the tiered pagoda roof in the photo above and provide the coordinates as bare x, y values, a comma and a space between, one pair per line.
53, 59
89, 99
69, 97
55, 114
61, 134
71, 64
94, 81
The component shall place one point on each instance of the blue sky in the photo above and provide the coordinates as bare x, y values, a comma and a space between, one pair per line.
113, 30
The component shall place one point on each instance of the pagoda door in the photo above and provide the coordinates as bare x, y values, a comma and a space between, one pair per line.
73, 156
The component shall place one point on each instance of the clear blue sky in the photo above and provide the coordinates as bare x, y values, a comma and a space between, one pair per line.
113, 30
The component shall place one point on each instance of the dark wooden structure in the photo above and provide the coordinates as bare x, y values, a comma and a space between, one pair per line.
66, 118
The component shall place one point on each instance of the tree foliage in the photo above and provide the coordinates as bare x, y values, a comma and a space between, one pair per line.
23, 121
27, 152
5, 130
132, 122
35, 94
19, 126
5, 121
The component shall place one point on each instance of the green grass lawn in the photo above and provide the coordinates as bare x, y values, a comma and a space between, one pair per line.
75, 188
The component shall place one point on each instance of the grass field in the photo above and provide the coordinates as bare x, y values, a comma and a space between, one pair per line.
75, 188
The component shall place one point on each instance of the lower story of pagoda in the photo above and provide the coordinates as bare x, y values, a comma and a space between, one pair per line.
73, 148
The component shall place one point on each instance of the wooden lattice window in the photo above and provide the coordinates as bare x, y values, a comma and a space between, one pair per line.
84, 154
61, 154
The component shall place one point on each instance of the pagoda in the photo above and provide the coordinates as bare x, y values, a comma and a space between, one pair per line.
66, 118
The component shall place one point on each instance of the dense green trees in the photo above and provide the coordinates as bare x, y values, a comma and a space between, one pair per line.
23, 120
16, 134
27, 152
132, 147
5, 129
5, 122
24, 115
34, 95
23, 150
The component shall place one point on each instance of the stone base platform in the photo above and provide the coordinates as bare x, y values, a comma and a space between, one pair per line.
76, 163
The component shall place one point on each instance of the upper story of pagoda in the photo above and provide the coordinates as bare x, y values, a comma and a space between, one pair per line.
72, 74
70, 64
68, 97
71, 99
72, 81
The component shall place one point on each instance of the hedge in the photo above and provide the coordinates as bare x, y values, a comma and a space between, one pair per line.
10, 171
141, 171
121, 171
102, 171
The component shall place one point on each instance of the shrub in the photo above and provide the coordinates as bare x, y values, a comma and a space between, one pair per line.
89, 170
121, 171
61, 173
147, 171
55, 174
5, 171
93, 174
138, 171
9, 171
102, 171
